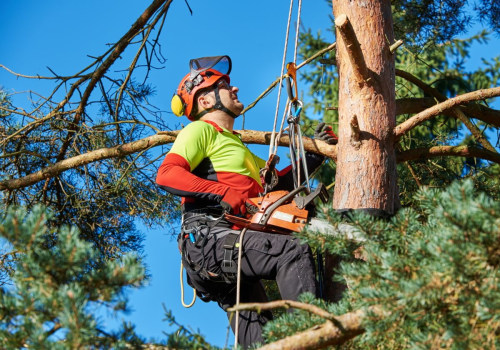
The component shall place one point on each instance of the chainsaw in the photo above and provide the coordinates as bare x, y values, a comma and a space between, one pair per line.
280, 211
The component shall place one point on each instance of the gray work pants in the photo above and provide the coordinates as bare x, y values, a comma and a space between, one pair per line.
265, 256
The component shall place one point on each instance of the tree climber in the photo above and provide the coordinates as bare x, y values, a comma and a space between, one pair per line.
214, 172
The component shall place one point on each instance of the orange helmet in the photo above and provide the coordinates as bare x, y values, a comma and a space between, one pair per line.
204, 73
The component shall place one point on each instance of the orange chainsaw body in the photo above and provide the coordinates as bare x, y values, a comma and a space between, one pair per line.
285, 218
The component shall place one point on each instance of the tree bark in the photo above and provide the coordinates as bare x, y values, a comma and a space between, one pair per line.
366, 161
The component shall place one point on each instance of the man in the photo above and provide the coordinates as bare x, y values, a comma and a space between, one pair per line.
215, 173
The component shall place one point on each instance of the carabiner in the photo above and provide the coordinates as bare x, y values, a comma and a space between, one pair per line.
294, 116
291, 75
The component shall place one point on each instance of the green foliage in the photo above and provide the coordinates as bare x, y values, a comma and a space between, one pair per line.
4, 103
433, 268
429, 21
102, 199
54, 288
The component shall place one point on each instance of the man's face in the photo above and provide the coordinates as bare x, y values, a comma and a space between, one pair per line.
228, 96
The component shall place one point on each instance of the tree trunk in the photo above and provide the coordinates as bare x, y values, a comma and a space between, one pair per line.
366, 162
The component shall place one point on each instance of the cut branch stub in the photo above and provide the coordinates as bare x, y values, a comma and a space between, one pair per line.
395, 46
353, 49
355, 132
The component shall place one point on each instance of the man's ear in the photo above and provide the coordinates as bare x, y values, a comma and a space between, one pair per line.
205, 102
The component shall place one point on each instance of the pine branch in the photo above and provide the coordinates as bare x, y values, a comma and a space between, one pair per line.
162, 138
97, 75
337, 329
457, 112
441, 151
327, 334
284, 304
247, 136
279, 79
429, 113
475, 110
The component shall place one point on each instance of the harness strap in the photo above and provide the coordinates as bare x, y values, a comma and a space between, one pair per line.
228, 266
218, 105
198, 234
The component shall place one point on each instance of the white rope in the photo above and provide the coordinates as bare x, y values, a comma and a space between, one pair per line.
182, 291
273, 135
238, 289
297, 33
285, 113
273, 148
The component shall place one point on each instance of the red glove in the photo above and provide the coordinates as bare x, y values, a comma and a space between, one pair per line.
233, 202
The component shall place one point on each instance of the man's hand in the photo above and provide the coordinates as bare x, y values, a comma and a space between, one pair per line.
325, 133
233, 202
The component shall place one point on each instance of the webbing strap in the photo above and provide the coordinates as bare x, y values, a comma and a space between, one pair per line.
228, 266
218, 105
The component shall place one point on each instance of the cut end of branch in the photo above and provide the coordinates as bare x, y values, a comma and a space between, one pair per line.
353, 49
396, 45
341, 21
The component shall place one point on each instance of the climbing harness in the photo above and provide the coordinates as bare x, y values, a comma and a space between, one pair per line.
195, 228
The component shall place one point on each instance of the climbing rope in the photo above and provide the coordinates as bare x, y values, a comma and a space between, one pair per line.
238, 287
182, 291
285, 49
292, 110
272, 148
299, 11
297, 151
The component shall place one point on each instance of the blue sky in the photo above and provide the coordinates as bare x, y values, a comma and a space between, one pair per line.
61, 33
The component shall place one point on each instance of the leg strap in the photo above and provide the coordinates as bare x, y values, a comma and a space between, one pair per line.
230, 267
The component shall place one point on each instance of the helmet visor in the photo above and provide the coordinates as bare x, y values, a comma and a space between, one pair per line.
219, 63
